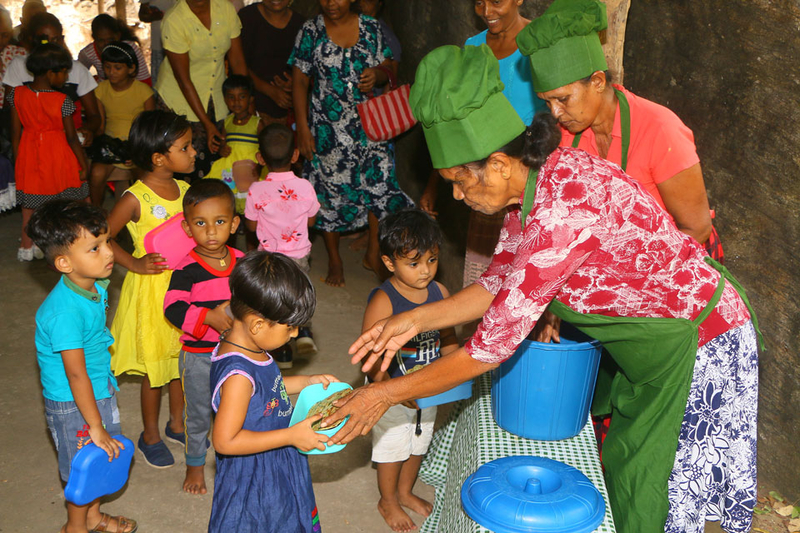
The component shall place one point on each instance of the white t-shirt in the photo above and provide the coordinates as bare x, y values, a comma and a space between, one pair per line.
79, 82
155, 27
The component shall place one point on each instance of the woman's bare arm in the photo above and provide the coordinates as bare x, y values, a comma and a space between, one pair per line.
389, 335
685, 198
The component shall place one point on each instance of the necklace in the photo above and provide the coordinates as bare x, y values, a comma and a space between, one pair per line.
221, 260
222, 338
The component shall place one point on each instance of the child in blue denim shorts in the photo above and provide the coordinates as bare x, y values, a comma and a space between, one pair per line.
72, 343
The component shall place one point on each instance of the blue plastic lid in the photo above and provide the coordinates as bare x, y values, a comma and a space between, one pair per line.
94, 476
307, 398
527, 494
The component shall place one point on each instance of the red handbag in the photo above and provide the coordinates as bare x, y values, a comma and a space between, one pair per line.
386, 116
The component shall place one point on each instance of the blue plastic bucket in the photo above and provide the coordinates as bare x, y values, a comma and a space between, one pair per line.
544, 391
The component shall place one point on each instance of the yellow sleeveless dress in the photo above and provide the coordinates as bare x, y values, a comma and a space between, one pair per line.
243, 141
145, 343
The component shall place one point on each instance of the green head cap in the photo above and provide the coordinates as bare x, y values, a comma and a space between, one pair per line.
563, 43
458, 98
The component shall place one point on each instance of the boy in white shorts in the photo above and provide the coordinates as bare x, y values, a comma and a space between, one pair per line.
409, 245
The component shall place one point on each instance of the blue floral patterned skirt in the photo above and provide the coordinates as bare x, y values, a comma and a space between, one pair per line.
714, 474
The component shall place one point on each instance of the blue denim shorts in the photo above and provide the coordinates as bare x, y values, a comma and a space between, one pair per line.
70, 431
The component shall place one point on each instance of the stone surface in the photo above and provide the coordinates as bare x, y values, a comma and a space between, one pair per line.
730, 71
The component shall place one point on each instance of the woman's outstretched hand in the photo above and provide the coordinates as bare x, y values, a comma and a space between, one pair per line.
385, 338
365, 406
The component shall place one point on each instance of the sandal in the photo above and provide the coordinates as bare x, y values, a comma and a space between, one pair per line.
124, 525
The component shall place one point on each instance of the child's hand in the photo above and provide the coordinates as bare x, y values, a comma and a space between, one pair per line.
325, 379
304, 438
218, 318
149, 264
103, 440
224, 150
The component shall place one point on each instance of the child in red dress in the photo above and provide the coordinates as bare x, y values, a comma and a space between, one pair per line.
49, 159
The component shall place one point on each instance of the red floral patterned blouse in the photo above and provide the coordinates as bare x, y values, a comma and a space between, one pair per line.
599, 243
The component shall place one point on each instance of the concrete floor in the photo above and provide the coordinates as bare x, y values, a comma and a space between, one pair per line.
31, 497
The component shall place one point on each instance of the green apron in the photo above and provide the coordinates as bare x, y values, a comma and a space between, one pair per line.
648, 395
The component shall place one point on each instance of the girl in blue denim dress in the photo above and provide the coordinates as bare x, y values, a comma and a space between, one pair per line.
263, 482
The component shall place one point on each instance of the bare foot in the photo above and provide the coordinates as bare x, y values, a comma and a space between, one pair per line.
335, 275
195, 482
395, 516
360, 241
416, 504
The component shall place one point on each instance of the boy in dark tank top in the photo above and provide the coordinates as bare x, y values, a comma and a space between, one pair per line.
409, 246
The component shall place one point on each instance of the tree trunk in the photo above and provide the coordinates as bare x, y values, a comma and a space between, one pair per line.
614, 38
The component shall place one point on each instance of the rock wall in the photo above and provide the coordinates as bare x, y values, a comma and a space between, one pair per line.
731, 71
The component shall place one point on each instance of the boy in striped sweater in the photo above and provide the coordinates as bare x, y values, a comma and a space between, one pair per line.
196, 303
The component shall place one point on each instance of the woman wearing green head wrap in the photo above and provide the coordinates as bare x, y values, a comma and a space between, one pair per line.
583, 238
647, 140
504, 22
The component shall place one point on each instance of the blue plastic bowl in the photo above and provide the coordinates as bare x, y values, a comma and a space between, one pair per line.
544, 391
528, 494
459, 392
305, 400
93, 476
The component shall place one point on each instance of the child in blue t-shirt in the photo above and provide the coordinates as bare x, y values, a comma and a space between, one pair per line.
72, 343
409, 245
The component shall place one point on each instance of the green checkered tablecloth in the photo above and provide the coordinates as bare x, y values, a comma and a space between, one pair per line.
470, 438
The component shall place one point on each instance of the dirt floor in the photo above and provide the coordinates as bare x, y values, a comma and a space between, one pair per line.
31, 497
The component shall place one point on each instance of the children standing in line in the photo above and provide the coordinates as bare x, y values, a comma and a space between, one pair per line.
72, 343
280, 210
238, 165
263, 482
196, 302
121, 98
146, 343
409, 245
50, 162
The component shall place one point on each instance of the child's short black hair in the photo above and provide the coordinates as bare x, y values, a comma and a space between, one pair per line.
46, 57
154, 132
237, 81
57, 224
272, 286
408, 233
276, 144
104, 21
206, 189
40, 20
120, 52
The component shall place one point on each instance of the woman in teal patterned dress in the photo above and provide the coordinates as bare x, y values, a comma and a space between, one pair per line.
354, 177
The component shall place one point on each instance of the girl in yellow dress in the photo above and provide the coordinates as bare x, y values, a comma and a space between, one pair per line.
146, 343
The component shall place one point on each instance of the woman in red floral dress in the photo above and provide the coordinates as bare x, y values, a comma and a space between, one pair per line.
586, 241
